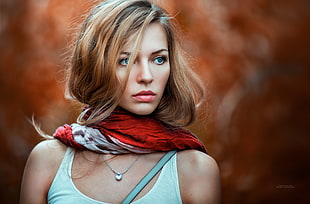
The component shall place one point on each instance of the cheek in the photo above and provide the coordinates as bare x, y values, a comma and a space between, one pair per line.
165, 78
122, 78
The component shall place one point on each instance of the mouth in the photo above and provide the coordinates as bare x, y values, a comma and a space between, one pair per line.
145, 96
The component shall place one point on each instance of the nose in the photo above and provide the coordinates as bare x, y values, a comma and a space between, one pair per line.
145, 73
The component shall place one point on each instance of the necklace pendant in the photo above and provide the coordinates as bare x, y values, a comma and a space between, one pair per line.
118, 176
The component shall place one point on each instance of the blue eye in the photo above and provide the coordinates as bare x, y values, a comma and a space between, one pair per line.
124, 62
160, 60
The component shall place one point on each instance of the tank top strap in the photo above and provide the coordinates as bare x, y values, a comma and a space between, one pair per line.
65, 167
68, 160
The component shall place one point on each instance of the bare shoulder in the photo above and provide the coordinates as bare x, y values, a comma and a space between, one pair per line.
200, 162
199, 177
47, 154
40, 170
47, 147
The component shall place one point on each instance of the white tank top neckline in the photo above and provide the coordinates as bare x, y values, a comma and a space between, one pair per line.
63, 191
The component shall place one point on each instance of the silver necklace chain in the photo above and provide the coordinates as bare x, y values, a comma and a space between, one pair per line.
118, 175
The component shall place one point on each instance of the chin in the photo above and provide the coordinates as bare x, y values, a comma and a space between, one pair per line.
141, 109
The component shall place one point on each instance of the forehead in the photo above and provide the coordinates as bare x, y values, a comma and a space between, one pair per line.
154, 37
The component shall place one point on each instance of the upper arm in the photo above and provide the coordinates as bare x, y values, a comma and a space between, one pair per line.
39, 172
199, 178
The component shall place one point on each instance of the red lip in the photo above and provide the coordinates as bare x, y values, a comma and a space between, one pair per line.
145, 93
145, 96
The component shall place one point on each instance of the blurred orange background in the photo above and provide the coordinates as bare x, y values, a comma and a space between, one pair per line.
253, 57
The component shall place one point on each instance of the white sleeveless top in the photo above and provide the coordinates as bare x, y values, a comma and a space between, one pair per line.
165, 190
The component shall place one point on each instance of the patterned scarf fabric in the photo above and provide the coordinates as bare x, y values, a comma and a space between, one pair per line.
123, 132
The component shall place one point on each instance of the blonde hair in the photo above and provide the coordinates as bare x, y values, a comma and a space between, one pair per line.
92, 78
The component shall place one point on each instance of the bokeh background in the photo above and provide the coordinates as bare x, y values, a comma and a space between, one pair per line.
252, 55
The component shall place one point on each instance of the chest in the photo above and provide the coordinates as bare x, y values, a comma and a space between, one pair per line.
97, 181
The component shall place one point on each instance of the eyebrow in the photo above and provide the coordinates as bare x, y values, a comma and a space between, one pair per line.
153, 53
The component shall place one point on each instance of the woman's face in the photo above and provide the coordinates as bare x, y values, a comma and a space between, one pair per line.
149, 74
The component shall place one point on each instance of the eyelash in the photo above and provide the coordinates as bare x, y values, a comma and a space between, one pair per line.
163, 58
124, 61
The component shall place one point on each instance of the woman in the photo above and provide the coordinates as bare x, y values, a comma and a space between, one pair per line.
129, 72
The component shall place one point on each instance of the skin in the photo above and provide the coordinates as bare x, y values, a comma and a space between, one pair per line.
150, 71
198, 173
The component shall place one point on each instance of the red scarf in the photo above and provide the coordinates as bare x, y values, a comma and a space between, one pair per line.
124, 132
